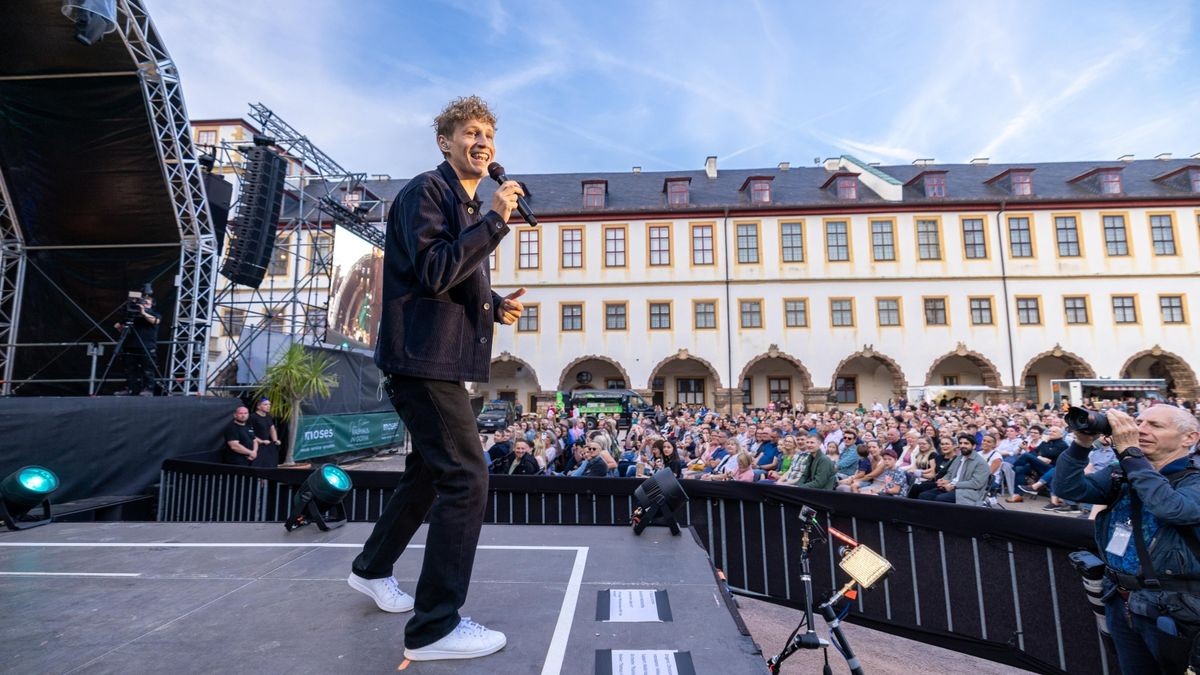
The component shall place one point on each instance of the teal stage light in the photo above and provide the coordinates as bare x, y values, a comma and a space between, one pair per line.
24, 489
319, 499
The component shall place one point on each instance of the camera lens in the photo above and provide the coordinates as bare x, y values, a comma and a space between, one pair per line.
1087, 421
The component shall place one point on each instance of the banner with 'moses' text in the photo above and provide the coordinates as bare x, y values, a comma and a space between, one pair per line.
322, 435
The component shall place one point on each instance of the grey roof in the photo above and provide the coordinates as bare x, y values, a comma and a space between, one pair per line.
561, 194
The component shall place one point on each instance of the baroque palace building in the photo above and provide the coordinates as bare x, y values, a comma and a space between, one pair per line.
841, 283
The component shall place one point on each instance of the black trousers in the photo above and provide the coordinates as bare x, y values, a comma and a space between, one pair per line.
139, 369
446, 470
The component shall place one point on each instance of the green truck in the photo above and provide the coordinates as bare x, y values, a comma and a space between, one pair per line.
593, 404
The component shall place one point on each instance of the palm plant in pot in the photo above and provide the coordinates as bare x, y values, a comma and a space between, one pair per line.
298, 375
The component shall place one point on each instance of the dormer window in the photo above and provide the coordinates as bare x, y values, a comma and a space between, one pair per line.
1022, 183
758, 189
1110, 182
1194, 178
677, 190
935, 185
594, 193
847, 187
352, 199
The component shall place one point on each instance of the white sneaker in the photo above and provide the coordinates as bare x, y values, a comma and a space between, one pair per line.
385, 592
468, 641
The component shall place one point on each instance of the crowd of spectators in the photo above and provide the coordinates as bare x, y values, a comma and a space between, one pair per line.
967, 454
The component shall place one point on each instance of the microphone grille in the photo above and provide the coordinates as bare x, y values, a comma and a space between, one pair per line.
495, 171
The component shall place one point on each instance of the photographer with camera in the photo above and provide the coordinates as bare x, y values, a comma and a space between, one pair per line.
138, 335
1148, 532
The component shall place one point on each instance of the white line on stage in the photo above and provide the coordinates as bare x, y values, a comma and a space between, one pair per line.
70, 574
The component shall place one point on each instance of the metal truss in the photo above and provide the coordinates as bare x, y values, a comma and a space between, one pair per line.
12, 283
299, 308
187, 369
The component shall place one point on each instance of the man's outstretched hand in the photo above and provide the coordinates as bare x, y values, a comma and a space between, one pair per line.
511, 307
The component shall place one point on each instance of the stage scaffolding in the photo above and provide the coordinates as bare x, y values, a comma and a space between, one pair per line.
266, 320
167, 115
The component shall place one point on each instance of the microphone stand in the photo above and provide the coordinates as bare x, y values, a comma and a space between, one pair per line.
809, 639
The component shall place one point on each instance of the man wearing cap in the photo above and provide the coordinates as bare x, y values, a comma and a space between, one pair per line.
966, 477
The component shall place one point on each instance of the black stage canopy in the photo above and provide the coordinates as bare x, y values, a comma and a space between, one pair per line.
79, 157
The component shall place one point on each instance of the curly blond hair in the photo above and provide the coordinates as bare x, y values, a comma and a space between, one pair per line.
460, 110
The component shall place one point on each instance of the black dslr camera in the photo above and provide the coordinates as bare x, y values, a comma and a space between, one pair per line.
1086, 421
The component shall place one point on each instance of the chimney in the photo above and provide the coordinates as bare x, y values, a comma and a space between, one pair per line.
979, 161
874, 163
923, 162
1163, 156
833, 163
637, 169
710, 166
1125, 158
784, 166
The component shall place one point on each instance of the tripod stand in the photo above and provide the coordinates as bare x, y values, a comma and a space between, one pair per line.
127, 329
809, 638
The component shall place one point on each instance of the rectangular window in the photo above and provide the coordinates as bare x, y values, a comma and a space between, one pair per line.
235, 320
1172, 308
1116, 237
751, 313
883, 240
614, 247
1162, 233
974, 239
791, 236
612, 383
981, 311
1066, 232
747, 391
614, 316
207, 138
795, 313
572, 317
1022, 184
841, 312
1124, 309
677, 193
279, 257
660, 245
493, 260
1110, 182
847, 187
929, 240
322, 251
760, 192
528, 321
949, 380
689, 390
705, 314
1076, 309
572, 248
747, 243
935, 185
660, 315
837, 241
779, 389
1020, 241
935, 311
593, 195
845, 390
887, 310
529, 248
702, 244
1194, 179
1029, 311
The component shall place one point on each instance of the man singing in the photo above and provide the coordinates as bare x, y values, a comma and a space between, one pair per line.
436, 333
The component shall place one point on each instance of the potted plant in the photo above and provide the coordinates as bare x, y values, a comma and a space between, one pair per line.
298, 375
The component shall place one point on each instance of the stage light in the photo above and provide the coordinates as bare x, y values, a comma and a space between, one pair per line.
24, 489
659, 497
319, 499
93, 19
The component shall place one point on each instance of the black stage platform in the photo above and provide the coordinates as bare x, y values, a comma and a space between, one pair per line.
250, 598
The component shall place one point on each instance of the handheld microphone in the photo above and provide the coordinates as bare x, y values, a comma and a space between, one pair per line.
497, 173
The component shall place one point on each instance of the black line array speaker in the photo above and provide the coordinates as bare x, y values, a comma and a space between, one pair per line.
252, 235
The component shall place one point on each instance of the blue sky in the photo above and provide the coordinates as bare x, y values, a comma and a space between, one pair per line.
604, 86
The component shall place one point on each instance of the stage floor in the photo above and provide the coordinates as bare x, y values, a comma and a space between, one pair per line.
214, 597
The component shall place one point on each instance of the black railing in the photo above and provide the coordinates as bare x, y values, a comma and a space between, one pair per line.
995, 584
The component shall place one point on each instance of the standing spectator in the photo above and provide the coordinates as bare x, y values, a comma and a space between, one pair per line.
269, 448
241, 447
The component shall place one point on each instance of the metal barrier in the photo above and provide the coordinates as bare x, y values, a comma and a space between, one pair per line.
995, 584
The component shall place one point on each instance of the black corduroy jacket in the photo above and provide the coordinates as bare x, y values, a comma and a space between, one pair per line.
439, 310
